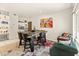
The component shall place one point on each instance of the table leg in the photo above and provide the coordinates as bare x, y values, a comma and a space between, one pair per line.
32, 45
20, 43
24, 44
58, 40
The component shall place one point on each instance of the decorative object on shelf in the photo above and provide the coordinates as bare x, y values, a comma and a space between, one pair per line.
29, 26
25, 21
21, 27
46, 22
22, 24
4, 24
21, 21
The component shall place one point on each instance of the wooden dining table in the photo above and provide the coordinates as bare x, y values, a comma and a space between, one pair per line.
32, 34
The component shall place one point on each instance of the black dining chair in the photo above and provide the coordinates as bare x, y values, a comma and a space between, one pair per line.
30, 42
26, 41
20, 38
42, 38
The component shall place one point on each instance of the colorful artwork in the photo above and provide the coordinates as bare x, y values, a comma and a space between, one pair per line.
46, 22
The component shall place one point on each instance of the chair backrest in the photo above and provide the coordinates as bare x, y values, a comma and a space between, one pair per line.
20, 36
25, 36
43, 35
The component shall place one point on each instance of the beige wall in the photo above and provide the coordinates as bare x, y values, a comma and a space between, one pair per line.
62, 23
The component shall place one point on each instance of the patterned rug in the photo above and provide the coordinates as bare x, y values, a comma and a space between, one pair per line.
38, 51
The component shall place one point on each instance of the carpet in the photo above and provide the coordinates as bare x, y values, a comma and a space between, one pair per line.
38, 51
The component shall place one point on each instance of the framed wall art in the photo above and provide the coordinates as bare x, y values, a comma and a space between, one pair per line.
46, 22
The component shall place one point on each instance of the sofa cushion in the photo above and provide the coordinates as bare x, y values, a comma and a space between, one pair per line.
70, 48
60, 49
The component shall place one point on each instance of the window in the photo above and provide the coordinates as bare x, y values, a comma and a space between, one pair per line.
76, 23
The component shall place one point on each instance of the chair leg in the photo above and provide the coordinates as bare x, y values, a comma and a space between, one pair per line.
32, 45
20, 43
24, 45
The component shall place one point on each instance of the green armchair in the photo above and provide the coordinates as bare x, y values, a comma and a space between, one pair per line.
60, 49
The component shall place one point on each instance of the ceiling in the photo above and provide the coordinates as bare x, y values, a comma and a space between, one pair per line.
33, 9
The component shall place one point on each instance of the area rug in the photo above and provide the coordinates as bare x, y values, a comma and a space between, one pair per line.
38, 51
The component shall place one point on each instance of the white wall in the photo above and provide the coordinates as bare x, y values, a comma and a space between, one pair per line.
62, 23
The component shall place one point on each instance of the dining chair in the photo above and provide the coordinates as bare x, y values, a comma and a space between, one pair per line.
26, 41
20, 38
42, 38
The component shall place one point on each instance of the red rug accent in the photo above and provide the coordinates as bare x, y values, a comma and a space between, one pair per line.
49, 43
